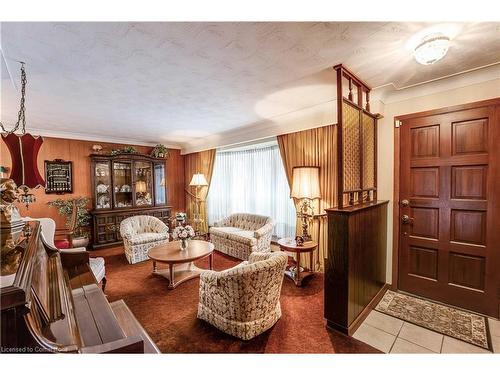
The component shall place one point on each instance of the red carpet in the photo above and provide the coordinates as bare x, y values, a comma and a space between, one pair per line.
169, 316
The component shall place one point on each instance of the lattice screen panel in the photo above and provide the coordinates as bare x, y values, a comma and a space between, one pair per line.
357, 135
350, 143
368, 151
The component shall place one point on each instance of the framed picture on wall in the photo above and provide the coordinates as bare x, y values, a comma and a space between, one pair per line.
58, 176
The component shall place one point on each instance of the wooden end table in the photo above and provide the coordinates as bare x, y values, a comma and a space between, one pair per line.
297, 273
180, 262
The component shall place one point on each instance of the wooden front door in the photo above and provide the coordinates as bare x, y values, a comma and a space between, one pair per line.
449, 207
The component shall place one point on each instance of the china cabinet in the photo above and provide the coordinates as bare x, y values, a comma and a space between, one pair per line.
126, 185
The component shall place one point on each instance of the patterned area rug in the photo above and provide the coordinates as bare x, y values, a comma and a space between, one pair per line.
459, 324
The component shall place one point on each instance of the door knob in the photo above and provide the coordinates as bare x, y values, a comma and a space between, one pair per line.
406, 219
405, 203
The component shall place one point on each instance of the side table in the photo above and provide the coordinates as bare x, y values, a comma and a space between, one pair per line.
297, 273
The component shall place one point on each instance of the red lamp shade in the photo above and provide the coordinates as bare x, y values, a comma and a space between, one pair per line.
24, 153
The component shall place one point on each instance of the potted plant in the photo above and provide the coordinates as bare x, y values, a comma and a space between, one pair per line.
65, 208
160, 151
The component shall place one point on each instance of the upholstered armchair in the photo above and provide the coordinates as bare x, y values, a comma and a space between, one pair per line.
239, 235
48, 230
140, 233
244, 301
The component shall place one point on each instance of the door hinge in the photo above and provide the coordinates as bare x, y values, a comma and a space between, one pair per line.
397, 123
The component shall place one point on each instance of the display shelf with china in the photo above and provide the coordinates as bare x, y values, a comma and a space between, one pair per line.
102, 184
143, 186
122, 181
124, 185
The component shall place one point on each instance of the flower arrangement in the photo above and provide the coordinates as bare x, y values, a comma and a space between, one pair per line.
180, 217
183, 233
160, 151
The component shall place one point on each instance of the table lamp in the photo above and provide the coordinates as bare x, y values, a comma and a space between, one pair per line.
305, 187
140, 187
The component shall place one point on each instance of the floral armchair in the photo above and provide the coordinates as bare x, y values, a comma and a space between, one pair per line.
239, 235
140, 233
244, 301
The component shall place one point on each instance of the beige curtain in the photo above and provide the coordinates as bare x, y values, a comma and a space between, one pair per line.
314, 147
198, 162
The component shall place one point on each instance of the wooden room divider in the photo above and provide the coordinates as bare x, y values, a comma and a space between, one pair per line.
356, 141
355, 268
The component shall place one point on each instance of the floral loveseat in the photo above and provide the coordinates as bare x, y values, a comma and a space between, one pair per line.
239, 235
140, 233
244, 301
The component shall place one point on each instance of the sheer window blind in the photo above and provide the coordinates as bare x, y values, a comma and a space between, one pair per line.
252, 181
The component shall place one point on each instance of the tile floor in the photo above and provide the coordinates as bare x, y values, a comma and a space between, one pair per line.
392, 335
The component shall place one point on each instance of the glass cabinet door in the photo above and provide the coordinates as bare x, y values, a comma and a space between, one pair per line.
122, 189
102, 184
160, 184
143, 181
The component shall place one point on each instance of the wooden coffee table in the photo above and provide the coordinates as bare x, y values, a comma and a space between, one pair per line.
297, 273
180, 262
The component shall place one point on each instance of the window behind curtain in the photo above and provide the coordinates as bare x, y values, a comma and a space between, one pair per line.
252, 181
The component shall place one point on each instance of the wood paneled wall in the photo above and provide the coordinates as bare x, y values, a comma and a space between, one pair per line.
78, 152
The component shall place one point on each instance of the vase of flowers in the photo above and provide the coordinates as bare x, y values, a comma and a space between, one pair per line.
180, 217
183, 233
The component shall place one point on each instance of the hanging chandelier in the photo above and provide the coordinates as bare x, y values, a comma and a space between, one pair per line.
23, 149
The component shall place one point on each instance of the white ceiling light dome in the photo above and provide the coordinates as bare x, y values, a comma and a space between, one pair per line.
432, 48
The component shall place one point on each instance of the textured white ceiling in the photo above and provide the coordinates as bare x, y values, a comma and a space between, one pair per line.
175, 82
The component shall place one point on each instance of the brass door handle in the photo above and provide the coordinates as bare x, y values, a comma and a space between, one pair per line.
405, 203
406, 219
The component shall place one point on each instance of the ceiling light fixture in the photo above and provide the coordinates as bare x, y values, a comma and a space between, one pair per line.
432, 49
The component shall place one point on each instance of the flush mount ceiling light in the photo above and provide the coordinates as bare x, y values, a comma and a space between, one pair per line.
432, 49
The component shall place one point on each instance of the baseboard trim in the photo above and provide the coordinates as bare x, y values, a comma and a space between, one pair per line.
351, 329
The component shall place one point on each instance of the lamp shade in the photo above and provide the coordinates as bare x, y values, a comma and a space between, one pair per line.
198, 180
305, 183
140, 187
24, 150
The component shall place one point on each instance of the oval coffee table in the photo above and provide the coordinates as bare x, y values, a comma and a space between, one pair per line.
180, 262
